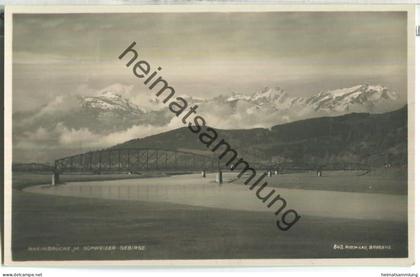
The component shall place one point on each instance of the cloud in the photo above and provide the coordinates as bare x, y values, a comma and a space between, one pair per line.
46, 143
70, 137
61, 103
41, 134
140, 131
26, 57
124, 90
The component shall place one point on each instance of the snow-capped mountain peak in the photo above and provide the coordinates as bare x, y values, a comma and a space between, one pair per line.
271, 106
366, 89
237, 96
360, 98
109, 101
274, 101
270, 94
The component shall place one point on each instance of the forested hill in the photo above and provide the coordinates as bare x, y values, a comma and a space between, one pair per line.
374, 139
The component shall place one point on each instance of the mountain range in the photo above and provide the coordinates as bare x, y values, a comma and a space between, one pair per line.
113, 115
110, 111
272, 106
360, 98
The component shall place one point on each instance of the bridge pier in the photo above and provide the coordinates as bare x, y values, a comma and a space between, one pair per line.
55, 178
319, 172
219, 177
203, 174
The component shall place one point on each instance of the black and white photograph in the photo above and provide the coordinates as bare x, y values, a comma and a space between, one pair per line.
209, 135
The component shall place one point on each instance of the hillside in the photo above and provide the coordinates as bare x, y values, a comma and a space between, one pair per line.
373, 139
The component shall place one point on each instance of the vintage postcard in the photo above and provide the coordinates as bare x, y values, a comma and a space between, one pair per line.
209, 135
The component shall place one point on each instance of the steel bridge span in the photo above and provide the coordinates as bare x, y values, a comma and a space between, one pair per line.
135, 159
144, 159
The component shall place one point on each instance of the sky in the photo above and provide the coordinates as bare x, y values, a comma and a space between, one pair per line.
207, 54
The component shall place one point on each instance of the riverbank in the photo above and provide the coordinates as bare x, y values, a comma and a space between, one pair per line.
21, 180
180, 231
